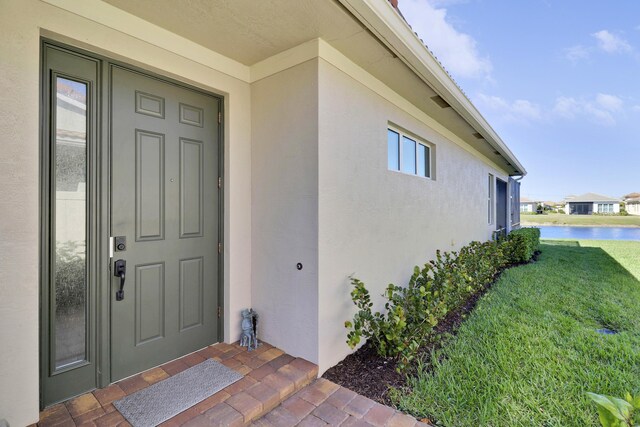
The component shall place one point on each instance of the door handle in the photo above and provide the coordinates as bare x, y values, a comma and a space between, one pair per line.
120, 270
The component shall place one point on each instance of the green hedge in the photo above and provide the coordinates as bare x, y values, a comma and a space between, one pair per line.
522, 244
441, 285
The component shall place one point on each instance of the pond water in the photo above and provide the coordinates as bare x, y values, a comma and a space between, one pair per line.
591, 233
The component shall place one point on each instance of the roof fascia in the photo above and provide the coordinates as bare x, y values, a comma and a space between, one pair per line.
393, 31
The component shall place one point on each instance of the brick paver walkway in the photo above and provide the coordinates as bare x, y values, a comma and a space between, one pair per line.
326, 403
273, 392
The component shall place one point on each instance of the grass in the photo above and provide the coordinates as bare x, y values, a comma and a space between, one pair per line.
562, 219
529, 351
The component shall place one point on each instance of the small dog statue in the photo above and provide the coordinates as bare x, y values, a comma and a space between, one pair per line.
249, 337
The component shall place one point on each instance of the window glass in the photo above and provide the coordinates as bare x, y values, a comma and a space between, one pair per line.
70, 207
423, 161
605, 208
393, 143
408, 155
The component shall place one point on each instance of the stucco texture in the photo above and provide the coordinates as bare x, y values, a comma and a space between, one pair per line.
19, 130
375, 223
284, 163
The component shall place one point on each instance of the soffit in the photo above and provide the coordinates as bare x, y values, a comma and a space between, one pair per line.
249, 31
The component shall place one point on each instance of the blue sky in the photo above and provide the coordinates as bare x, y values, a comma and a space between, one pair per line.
559, 80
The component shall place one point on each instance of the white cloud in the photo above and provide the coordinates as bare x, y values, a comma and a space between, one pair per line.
611, 43
601, 108
576, 53
566, 107
493, 102
520, 110
609, 102
456, 50
526, 109
602, 116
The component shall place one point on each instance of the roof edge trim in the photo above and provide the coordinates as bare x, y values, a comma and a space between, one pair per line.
392, 30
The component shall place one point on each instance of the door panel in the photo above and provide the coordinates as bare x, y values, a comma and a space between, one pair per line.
191, 188
164, 199
150, 303
191, 291
149, 187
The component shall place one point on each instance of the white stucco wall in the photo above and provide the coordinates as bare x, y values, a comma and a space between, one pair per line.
616, 206
21, 25
378, 224
633, 208
527, 207
285, 208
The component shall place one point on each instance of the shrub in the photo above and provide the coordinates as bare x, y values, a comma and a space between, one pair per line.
521, 244
412, 312
70, 276
561, 211
615, 412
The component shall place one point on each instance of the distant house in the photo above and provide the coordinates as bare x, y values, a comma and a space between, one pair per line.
632, 203
528, 205
554, 206
590, 203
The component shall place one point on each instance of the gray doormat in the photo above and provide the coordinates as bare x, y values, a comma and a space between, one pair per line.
161, 401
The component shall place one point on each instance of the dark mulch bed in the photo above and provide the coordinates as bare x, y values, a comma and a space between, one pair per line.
370, 375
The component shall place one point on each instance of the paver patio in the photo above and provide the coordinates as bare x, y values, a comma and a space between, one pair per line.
277, 390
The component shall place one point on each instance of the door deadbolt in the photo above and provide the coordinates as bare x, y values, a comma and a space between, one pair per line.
120, 243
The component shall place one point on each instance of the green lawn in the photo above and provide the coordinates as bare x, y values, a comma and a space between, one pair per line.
529, 351
562, 219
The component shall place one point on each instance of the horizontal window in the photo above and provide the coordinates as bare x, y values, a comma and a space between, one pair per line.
407, 154
605, 207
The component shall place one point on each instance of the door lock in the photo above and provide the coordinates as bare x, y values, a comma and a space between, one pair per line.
120, 270
120, 243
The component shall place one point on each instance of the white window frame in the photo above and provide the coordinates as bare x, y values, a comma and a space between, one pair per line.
418, 141
605, 207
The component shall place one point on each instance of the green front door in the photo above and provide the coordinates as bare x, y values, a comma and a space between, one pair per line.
130, 167
164, 220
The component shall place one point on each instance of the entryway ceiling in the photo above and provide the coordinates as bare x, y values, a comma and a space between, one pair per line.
247, 31
250, 31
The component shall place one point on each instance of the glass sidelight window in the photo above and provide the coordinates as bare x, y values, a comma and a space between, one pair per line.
69, 230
